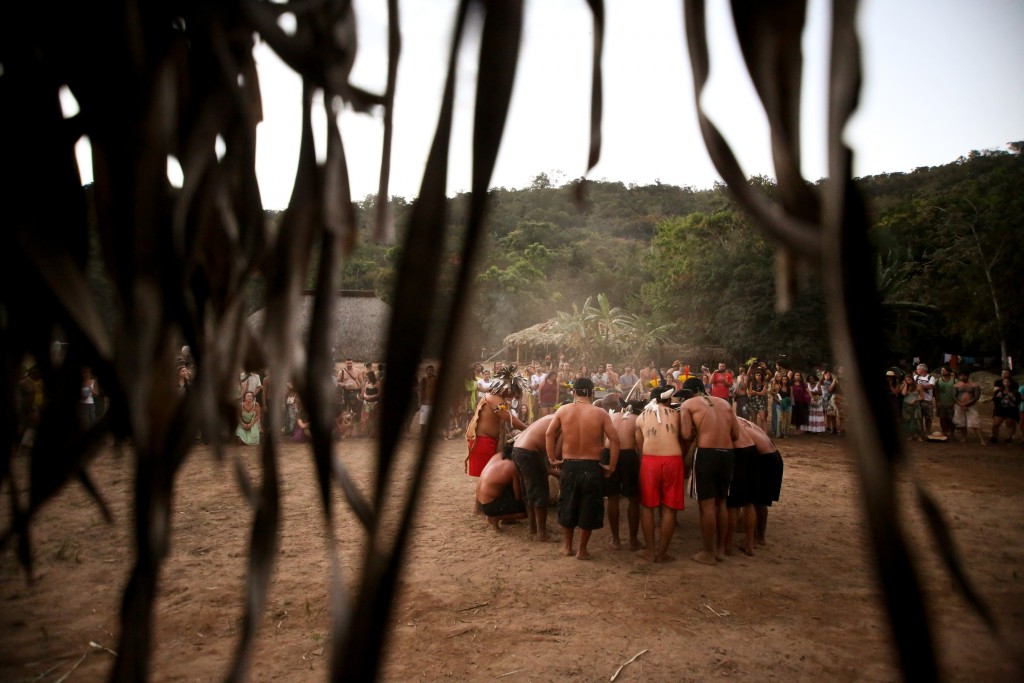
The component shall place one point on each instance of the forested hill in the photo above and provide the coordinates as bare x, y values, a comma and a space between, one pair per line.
687, 267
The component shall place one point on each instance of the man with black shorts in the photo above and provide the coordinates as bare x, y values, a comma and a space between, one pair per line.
625, 480
710, 422
583, 428
743, 489
530, 456
769, 477
499, 494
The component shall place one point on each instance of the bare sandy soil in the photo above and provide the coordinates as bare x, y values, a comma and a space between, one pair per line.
478, 605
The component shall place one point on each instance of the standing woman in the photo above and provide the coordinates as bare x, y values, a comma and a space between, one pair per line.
836, 406
826, 401
815, 413
757, 400
912, 393
248, 429
547, 393
291, 408
371, 399
785, 398
801, 402
1004, 409
740, 394
776, 402
87, 402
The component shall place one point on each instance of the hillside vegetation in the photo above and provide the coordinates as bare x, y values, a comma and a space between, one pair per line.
668, 267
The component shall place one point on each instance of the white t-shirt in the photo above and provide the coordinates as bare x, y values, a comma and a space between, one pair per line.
928, 383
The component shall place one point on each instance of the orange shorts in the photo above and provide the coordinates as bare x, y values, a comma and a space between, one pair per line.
661, 481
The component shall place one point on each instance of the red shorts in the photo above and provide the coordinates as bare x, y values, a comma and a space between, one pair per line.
661, 481
481, 451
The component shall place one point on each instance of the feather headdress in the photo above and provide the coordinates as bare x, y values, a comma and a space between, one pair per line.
506, 381
659, 395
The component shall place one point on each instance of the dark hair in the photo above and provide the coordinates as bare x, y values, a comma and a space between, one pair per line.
583, 387
693, 386
371, 376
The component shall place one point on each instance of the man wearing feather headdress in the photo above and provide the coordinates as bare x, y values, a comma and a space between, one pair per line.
494, 419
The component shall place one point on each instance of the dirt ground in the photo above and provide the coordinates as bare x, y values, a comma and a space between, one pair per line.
477, 605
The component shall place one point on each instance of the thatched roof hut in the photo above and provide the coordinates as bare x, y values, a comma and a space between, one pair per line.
360, 324
541, 334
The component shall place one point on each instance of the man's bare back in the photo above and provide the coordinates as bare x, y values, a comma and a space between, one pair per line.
710, 421
491, 412
497, 475
658, 431
756, 436
532, 438
583, 428
624, 424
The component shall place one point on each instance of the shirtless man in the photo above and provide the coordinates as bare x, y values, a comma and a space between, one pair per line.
583, 428
742, 489
965, 410
350, 383
769, 476
493, 415
529, 453
648, 373
662, 476
625, 480
499, 494
427, 393
710, 422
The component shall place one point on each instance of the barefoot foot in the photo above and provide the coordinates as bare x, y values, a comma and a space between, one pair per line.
704, 557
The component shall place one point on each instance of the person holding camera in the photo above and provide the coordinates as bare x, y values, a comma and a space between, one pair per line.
721, 383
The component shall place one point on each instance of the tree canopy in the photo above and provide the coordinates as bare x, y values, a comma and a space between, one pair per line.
691, 268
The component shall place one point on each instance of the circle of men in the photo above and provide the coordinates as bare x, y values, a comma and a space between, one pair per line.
609, 448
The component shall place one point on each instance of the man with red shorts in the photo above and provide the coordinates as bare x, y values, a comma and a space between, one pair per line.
658, 439
493, 418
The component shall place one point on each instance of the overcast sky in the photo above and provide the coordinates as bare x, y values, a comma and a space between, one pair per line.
941, 78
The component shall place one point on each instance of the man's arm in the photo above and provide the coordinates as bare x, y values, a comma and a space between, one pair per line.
638, 434
686, 424
612, 436
551, 439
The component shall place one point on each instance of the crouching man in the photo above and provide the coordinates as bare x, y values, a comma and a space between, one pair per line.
499, 493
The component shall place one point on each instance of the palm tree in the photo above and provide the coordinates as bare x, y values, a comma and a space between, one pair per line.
642, 335
605, 324
573, 329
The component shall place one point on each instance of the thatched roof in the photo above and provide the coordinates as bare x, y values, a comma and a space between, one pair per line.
360, 325
541, 334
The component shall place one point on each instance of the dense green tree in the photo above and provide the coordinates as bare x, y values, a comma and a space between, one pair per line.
688, 266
